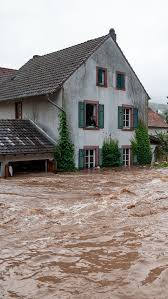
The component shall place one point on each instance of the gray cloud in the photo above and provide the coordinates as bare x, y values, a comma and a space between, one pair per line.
42, 26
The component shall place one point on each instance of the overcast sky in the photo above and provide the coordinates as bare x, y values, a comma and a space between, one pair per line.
29, 27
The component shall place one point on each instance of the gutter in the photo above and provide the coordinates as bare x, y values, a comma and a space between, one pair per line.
51, 102
43, 132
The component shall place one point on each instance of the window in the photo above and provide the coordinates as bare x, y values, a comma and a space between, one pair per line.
91, 115
90, 158
127, 117
126, 156
18, 110
101, 77
120, 81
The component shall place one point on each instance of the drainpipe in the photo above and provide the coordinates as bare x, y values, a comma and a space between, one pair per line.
60, 108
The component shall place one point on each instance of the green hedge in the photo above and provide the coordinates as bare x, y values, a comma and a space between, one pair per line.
110, 153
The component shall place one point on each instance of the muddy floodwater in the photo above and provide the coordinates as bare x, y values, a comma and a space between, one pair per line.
85, 235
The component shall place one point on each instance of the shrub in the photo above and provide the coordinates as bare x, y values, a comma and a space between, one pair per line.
141, 145
110, 153
64, 150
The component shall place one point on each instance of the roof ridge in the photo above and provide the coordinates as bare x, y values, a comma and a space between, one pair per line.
70, 47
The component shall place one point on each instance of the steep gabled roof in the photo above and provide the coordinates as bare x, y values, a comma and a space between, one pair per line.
155, 120
45, 74
22, 137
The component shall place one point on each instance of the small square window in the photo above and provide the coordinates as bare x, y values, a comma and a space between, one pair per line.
120, 81
101, 77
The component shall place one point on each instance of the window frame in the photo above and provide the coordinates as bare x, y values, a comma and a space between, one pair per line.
124, 74
131, 118
96, 103
125, 148
105, 76
94, 148
18, 114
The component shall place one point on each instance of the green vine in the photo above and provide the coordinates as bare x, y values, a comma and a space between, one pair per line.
64, 150
141, 145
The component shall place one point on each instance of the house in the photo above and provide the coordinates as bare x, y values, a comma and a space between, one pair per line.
93, 83
22, 141
6, 71
156, 124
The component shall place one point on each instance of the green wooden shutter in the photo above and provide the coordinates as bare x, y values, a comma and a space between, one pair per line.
81, 158
135, 117
101, 116
121, 156
100, 157
120, 81
120, 117
99, 76
81, 115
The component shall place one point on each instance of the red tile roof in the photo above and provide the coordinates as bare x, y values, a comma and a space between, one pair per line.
5, 71
155, 120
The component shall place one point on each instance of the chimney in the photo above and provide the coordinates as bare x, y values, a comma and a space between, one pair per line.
113, 34
35, 56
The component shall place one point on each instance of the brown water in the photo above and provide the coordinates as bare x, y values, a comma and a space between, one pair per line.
99, 235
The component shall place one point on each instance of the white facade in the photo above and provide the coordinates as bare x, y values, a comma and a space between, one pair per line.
82, 86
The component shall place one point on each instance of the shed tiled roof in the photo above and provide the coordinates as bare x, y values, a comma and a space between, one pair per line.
155, 120
22, 137
45, 74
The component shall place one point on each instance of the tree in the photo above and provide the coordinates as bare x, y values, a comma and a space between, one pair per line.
162, 148
64, 150
110, 153
166, 116
141, 145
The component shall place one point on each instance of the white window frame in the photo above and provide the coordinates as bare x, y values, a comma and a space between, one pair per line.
126, 156
87, 164
127, 112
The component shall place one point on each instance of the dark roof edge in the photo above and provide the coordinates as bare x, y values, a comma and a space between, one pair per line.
90, 54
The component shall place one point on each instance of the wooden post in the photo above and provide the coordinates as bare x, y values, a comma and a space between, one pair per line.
46, 166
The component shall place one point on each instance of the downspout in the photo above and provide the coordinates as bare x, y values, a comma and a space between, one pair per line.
51, 102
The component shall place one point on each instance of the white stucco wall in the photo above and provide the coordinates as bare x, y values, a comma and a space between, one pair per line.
82, 86
38, 109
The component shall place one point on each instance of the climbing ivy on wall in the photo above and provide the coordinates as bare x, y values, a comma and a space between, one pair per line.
64, 150
141, 145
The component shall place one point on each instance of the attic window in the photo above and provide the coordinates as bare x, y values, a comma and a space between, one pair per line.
101, 77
